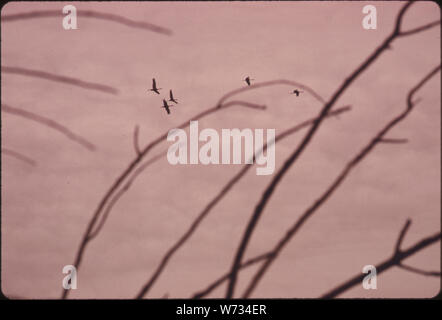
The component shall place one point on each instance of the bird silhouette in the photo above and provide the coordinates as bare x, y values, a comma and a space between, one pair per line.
166, 106
172, 99
297, 92
154, 87
247, 80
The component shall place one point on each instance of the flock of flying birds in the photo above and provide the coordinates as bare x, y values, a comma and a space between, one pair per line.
172, 99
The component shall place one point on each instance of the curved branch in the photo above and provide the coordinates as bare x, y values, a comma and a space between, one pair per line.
136, 145
395, 260
182, 240
88, 14
341, 177
49, 123
59, 78
301, 147
269, 84
419, 271
223, 278
108, 196
19, 156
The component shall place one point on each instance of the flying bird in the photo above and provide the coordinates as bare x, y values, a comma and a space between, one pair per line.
166, 106
154, 87
247, 80
297, 92
172, 99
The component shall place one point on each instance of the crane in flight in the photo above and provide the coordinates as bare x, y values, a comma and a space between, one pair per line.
154, 87
247, 80
166, 106
172, 99
297, 92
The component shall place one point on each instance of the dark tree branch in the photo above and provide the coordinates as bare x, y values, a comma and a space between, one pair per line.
385, 140
394, 260
88, 14
110, 193
341, 177
269, 84
419, 271
49, 123
19, 156
224, 278
181, 241
108, 200
297, 152
397, 247
60, 79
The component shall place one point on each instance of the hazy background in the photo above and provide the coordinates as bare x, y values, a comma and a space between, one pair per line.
45, 209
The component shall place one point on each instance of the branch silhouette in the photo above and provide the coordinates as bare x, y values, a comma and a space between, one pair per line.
136, 144
298, 151
49, 123
225, 277
88, 14
419, 271
182, 240
395, 260
19, 156
59, 78
336, 183
107, 199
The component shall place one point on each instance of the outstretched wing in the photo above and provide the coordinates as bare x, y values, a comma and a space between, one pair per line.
171, 95
154, 84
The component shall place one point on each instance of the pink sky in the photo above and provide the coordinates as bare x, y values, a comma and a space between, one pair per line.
46, 208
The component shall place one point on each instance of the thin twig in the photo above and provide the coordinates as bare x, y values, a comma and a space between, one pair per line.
49, 123
202, 293
108, 196
389, 140
181, 241
397, 247
59, 78
88, 14
19, 156
419, 271
297, 152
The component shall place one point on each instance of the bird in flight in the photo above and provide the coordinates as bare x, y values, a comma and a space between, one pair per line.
166, 106
297, 92
172, 99
247, 80
154, 87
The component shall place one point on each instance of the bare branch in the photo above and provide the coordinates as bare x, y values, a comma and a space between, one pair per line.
385, 140
108, 200
397, 248
223, 278
419, 29
341, 177
49, 123
298, 151
395, 260
88, 14
136, 145
19, 156
181, 241
419, 271
269, 84
60, 78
